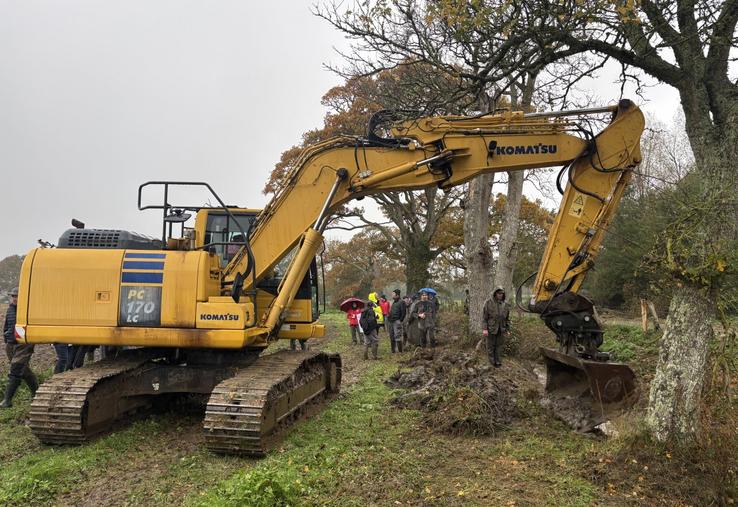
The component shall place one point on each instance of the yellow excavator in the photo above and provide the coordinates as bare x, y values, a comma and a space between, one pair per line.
195, 309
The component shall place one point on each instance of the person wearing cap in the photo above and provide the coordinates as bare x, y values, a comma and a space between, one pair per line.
395, 317
424, 311
19, 356
496, 324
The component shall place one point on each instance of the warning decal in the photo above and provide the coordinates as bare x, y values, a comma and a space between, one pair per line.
577, 206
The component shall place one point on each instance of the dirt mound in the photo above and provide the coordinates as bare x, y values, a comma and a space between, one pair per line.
460, 393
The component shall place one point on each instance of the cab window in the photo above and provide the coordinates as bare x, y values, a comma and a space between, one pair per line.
220, 228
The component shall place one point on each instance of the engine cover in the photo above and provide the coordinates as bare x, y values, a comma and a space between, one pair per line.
107, 238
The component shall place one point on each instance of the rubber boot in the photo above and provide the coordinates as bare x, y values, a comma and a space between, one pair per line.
366, 352
13, 383
375, 347
32, 381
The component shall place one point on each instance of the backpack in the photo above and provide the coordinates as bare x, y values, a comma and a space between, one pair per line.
368, 321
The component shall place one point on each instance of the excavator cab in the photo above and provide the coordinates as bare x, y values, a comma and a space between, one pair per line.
217, 227
224, 231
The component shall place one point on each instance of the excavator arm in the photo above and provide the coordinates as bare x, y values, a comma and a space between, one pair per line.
449, 151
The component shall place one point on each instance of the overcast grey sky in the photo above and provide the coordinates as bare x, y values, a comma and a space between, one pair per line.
98, 96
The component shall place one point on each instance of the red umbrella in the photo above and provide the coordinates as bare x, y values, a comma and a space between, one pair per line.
347, 304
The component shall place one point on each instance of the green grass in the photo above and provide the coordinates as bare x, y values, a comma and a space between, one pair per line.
359, 450
39, 477
327, 459
627, 343
187, 473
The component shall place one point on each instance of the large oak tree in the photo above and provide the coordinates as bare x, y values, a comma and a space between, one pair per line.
414, 218
687, 44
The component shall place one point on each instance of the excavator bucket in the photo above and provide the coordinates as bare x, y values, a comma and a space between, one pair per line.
587, 393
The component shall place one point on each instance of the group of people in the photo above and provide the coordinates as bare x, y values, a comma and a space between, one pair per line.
418, 316
403, 316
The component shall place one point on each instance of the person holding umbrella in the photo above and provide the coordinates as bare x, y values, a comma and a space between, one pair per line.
353, 307
425, 313
432, 297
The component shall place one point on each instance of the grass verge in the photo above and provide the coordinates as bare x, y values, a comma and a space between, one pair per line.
37, 478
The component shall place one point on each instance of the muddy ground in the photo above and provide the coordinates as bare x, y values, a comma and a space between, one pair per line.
450, 430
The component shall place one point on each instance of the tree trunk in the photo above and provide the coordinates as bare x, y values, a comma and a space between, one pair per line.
521, 95
418, 258
477, 251
674, 402
508, 251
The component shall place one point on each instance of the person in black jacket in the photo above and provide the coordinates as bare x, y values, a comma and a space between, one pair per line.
396, 316
19, 356
369, 326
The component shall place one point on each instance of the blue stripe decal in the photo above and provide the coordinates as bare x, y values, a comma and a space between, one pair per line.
128, 277
143, 265
134, 255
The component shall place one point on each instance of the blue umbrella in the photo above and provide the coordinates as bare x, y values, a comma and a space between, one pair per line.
428, 290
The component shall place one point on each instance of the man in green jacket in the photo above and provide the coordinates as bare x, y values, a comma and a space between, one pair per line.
424, 311
496, 325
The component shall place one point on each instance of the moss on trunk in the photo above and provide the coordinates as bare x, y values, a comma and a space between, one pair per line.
676, 390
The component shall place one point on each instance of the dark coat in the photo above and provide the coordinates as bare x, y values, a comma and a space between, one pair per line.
429, 309
368, 320
496, 316
397, 311
9, 327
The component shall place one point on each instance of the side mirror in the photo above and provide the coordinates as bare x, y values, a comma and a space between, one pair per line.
177, 216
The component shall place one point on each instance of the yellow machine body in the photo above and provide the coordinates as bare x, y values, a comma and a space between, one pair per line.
141, 298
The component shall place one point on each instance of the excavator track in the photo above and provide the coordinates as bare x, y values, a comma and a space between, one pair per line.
244, 410
71, 407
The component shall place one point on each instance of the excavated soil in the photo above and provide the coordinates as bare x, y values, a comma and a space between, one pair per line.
459, 393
